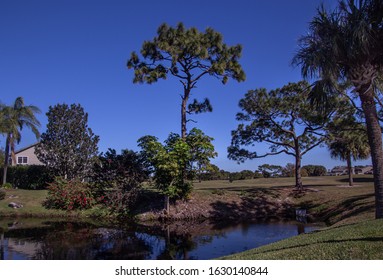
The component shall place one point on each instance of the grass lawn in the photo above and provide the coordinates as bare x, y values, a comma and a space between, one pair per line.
362, 240
32, 205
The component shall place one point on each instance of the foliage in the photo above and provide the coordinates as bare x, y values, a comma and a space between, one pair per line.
176, 159
304, 173
168, 163
242, 175
289, 170
125, 171
269, 170
345, 46
347, 139
117, 179
282, 118
188, 55
13, 119
214, 173
315, 170
7, 186
69, 195
68, 147
2, 194
29, 176
201, 150
119, 201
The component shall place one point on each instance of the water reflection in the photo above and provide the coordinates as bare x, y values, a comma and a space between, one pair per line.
63, 240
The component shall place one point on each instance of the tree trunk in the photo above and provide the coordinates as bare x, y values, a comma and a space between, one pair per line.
167, 204
6, 160
184, 103
298, 163
349, 168
298, 175
374, 133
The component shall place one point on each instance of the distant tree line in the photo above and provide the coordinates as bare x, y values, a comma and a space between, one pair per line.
263, 171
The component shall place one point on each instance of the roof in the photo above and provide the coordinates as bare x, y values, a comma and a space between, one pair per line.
26, 148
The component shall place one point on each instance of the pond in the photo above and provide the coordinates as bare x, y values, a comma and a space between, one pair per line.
69, 240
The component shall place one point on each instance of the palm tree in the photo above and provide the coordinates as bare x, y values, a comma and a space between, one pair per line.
346, 45
349, 142
13, 119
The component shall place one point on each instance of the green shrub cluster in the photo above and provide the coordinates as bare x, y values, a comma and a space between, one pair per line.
315, 170
30, 177
117, 180
69, 195
7, 186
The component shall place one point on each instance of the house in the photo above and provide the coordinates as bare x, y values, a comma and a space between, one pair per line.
363, 169
339, 171
27, 156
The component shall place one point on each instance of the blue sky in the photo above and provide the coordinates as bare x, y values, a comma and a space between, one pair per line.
75, 51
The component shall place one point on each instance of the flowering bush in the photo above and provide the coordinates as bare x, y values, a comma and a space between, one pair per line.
69, 195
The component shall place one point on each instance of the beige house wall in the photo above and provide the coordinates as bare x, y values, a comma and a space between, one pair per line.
29, 154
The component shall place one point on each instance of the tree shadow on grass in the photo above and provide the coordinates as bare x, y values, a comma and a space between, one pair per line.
350, 207
255, 204
359, 180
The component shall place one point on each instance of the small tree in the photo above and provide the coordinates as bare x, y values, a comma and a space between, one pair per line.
348, 141
68, 147
170, 161
187, 55
288, 170
269, 170
202, 150
282, 118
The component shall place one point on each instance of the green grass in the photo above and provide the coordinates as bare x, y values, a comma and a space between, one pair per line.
363, 240
32, 201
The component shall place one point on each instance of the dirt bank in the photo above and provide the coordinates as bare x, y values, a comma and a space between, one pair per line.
259, 204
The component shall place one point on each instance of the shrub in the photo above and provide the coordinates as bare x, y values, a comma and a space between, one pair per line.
29, 177
2, 194
117, 180
315, 170
304, 172
120, 202
7, 186
118, 171
69, 195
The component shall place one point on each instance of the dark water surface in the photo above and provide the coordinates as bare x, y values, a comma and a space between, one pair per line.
69, 240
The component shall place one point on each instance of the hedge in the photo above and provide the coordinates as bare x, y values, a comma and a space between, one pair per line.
32, 177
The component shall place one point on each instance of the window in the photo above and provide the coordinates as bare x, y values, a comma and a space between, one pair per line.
22, 160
